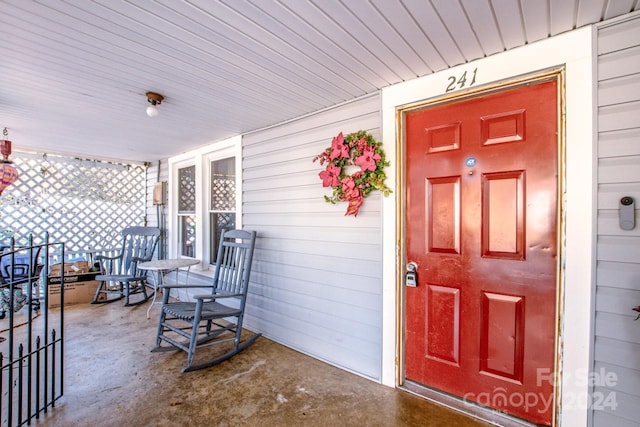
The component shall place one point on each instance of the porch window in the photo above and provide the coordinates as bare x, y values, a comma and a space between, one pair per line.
205, 197
222, 205
187, 211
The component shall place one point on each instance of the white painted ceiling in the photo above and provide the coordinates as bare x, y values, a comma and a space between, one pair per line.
74, 73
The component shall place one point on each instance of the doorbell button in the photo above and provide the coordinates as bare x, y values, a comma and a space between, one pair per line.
627, 213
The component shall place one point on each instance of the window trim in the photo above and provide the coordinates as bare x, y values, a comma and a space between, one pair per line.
201, 158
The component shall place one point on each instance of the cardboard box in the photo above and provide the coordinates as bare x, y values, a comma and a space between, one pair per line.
78, 289
76, 267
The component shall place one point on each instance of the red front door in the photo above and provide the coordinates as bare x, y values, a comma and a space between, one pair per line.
481, 219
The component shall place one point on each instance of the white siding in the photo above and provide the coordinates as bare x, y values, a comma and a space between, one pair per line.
617, 336
317, 275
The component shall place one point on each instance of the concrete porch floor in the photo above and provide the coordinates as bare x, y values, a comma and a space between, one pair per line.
112, 379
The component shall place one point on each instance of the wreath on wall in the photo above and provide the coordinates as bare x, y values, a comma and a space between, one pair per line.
358, 149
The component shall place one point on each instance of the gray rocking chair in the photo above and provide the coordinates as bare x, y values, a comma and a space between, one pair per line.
216, 315
119, 274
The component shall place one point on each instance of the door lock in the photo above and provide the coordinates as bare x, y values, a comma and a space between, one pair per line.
411, 275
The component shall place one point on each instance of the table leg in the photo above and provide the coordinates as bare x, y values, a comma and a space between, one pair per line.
159, 281
186, 282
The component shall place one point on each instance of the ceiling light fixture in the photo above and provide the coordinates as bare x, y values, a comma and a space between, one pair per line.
154, 99
8, 172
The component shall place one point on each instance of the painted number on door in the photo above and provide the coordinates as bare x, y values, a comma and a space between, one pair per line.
466, 79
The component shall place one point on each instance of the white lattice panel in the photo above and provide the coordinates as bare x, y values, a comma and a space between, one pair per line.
83, 203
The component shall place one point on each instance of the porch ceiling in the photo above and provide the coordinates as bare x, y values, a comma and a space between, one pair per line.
75, 73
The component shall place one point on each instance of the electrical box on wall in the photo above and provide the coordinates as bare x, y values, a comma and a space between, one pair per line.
159, 193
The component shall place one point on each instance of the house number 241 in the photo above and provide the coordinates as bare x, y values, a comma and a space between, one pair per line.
460, 82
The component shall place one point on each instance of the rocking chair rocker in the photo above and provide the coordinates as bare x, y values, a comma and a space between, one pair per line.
216, 315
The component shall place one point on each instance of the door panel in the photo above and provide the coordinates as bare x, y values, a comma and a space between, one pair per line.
444, 222
481, 220
443, 324
503, 215
501, 336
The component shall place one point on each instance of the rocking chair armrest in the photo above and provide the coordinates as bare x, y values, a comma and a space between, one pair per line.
215, 296
179, 286
139, 259
106, 257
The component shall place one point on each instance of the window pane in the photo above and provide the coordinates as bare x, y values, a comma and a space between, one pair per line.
219, 221
223, 185
187, 235
222, 191
187, 190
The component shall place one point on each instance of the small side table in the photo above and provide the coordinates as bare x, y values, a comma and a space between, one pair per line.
163, 267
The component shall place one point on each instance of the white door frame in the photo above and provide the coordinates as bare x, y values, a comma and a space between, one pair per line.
574, 51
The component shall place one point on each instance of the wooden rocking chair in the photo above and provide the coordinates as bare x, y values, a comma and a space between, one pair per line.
119, 274
216, 315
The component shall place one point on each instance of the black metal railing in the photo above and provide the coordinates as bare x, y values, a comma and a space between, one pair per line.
31, 347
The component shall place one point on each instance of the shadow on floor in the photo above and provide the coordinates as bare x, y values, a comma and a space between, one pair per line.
112, 379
